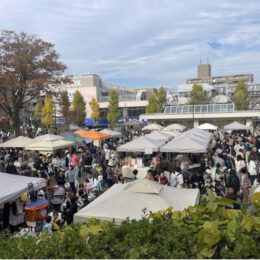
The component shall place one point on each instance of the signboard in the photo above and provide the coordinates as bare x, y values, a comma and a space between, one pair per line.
148, 151
70, 95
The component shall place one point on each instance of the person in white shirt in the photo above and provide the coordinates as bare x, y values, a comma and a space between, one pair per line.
179, 175
92, 181
173, 180
252, 170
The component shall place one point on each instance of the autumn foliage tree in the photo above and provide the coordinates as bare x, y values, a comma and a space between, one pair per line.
95, 110
37, 113
27, 66
79, 109
48, 112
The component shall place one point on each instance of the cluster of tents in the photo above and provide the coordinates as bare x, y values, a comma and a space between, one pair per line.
191, 141
51, 142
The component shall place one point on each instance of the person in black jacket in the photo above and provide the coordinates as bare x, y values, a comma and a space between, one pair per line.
197, 180
71, 209
60, 179
233, 180
10, 168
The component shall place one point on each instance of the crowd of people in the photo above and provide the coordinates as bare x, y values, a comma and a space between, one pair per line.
77, 176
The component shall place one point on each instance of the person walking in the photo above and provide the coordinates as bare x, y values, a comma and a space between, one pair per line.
70, 177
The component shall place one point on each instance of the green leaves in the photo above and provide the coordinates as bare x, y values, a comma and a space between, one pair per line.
113, 111
203, 231
152, 106
196, 95
241, 96
79, 109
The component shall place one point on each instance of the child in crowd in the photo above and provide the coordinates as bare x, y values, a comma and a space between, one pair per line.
48, 226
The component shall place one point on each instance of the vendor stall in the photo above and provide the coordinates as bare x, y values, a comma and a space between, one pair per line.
18, 142
178, 127
141, 144
236, 126
207, 126
151, 127
127, 172
12, 186
111, 132
128, 200
47, 137
48, 145
159, 135
192, 141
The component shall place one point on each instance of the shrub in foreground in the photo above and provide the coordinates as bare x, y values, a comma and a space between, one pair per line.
209, 230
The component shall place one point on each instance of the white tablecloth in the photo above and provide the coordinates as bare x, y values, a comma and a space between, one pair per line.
127, 172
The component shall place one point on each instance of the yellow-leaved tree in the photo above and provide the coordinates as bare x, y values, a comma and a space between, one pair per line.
48, 112
95, 114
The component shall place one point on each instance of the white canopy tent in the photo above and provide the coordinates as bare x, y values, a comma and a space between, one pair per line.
174, 127
207, 126
174, 133
12, 186
18, 142
44, 145
153, 127
128, 200
140, 144
159, 135
192, 141
111, 132
48, 137
236, 126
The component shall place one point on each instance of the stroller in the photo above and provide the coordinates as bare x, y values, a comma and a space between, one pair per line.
58, 198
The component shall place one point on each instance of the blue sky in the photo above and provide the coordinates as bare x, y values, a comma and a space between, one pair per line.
144, 43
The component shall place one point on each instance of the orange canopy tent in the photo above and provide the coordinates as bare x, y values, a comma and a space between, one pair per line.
79, 132
95, 135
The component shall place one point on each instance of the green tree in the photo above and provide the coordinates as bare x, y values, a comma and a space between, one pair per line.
79, 109
161, 100
95, 110
152, 106
65, 106
48, 112
28, 66
241, 96
196, 95
113, 112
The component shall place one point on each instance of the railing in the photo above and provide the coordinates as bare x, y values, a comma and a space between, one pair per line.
199, 109
121, 98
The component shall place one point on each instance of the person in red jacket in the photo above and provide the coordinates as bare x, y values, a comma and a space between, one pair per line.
163, 179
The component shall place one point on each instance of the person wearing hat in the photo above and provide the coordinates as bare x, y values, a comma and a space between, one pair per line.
17, 213
41, 195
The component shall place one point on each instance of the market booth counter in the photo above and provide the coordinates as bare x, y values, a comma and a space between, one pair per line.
36, 212
134, 164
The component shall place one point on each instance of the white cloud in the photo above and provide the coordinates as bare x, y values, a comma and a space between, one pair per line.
158, 40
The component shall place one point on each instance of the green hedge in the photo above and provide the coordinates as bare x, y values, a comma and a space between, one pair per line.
208, 230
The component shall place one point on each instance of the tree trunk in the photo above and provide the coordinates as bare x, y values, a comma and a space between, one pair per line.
17, 123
